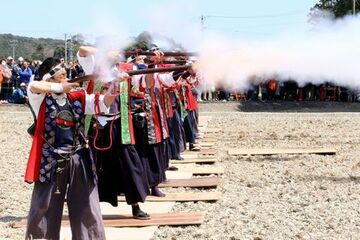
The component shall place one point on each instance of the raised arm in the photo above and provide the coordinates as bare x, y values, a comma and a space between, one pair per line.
85, 51
48, 87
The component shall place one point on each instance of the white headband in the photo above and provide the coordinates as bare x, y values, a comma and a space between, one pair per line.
53, 72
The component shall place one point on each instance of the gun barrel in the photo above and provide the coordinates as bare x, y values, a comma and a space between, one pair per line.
166, 54
158, 70
134, 72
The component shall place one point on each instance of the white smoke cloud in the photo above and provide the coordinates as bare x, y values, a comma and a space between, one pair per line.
172, 20
328, 52
108, 32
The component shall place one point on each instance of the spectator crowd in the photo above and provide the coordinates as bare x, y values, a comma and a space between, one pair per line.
273, 90
16, 75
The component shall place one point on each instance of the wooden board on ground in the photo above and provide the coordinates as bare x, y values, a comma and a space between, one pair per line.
183, 197
178, 174
199, 170
192, 182
159, 219
274, 151
201, 152
194, 160
124, 209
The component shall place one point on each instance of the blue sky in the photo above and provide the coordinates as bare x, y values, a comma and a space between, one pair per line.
261, 18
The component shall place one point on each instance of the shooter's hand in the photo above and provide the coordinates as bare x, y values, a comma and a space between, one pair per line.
122, 76
158, 56
194, 67
67, 87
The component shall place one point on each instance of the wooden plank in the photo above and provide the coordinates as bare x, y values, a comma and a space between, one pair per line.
195, 170
201, 152
193, 182
202, 170
274, 151
182, 197
169, 219
194, 160
162, 219
124, 209
178, 174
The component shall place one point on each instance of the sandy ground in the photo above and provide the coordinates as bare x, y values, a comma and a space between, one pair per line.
276, 197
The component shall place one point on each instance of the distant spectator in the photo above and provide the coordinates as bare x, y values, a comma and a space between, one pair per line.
71, 71
19, 96
25, 73
264, 91
20, 61
32, 66
14, 73
36, 69
5, 92
79, 70
271, 89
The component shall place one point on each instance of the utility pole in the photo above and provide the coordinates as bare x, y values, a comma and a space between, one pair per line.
202, 18
13, 44
65, 49
71, 49
354, 7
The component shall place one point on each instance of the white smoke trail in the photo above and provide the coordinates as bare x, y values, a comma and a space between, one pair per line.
111, 35
329, 52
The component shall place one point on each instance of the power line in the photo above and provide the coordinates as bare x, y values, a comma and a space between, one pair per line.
239, 31
255, 16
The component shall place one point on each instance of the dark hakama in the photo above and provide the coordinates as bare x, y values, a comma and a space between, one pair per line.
120, 169
152, 156
194, 123
77, 184
167, 153
196, 112
177, 140
189, 129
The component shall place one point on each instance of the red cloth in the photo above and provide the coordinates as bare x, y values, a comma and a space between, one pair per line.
33, 164
125, 66
90, 88
192, 104
64, 122
78, 95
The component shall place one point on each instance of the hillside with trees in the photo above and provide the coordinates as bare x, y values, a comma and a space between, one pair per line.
37, 48
41, 48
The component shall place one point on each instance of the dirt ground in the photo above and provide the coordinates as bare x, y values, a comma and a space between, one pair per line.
274, 197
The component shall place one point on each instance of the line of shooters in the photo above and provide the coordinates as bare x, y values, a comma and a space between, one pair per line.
110, 135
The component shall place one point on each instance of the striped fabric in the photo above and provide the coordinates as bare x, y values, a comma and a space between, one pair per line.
150, 120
